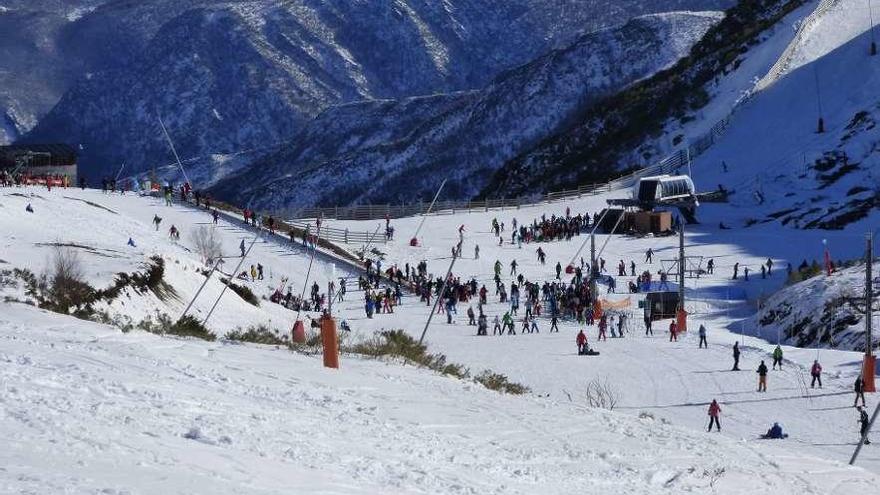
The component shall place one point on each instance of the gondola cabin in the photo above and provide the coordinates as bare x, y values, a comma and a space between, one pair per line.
664, 188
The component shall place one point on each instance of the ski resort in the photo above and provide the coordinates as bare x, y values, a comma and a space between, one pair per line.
534, 247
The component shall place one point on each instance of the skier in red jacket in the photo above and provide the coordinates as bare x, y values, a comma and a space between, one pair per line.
673, 331
714, 411
581, 342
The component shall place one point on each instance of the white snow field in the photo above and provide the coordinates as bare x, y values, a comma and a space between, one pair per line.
87, 409
97, 397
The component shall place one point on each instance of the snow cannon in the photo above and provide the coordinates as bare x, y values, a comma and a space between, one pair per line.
299, 332
330, 342
569, 269
414, 242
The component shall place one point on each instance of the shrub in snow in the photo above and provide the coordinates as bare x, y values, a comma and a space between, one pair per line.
602, 394
259, 334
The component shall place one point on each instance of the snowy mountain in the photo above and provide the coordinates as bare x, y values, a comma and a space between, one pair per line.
34, 71
638, 126
393, 151
194, 62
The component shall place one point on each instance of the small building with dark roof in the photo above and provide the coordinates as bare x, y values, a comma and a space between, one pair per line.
40, 160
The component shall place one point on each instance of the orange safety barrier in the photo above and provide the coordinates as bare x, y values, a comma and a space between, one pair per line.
299, 332
681, 320
330, 342
869, 366
622, 304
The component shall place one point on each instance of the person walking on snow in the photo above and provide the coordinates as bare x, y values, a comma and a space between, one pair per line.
816, 373
735, 270
735, 356
558, 270
777, 357
476, 251
554, 324
864, 423
649, 256
603, 324
513, 266
769, 267
859, 388
762, 377
714, 411
241, 248
673, 331
702, 333
497, 326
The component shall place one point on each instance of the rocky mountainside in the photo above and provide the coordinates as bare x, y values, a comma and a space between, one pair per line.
235, 75
34, 72
605, 137
394, 151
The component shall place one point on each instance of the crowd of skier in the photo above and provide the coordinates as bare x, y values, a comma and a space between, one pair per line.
527, 306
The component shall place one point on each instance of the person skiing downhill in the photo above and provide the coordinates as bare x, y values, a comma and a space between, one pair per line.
714, 411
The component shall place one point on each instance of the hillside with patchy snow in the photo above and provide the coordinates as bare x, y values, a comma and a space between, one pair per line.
236, 76
823, 311
396, 151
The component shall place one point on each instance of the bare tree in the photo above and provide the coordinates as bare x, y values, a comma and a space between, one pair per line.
64, 283
207, 244
66, 266
602, 394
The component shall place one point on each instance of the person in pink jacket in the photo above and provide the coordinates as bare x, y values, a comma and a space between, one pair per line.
816, 373
714, 411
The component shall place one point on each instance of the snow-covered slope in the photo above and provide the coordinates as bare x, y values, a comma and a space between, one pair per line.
789, 174
397, 151
232, 75
642, 124
88, 409
97, 227
823, 311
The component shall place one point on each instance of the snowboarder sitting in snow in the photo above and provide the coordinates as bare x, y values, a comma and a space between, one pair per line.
775, 432
29, 208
